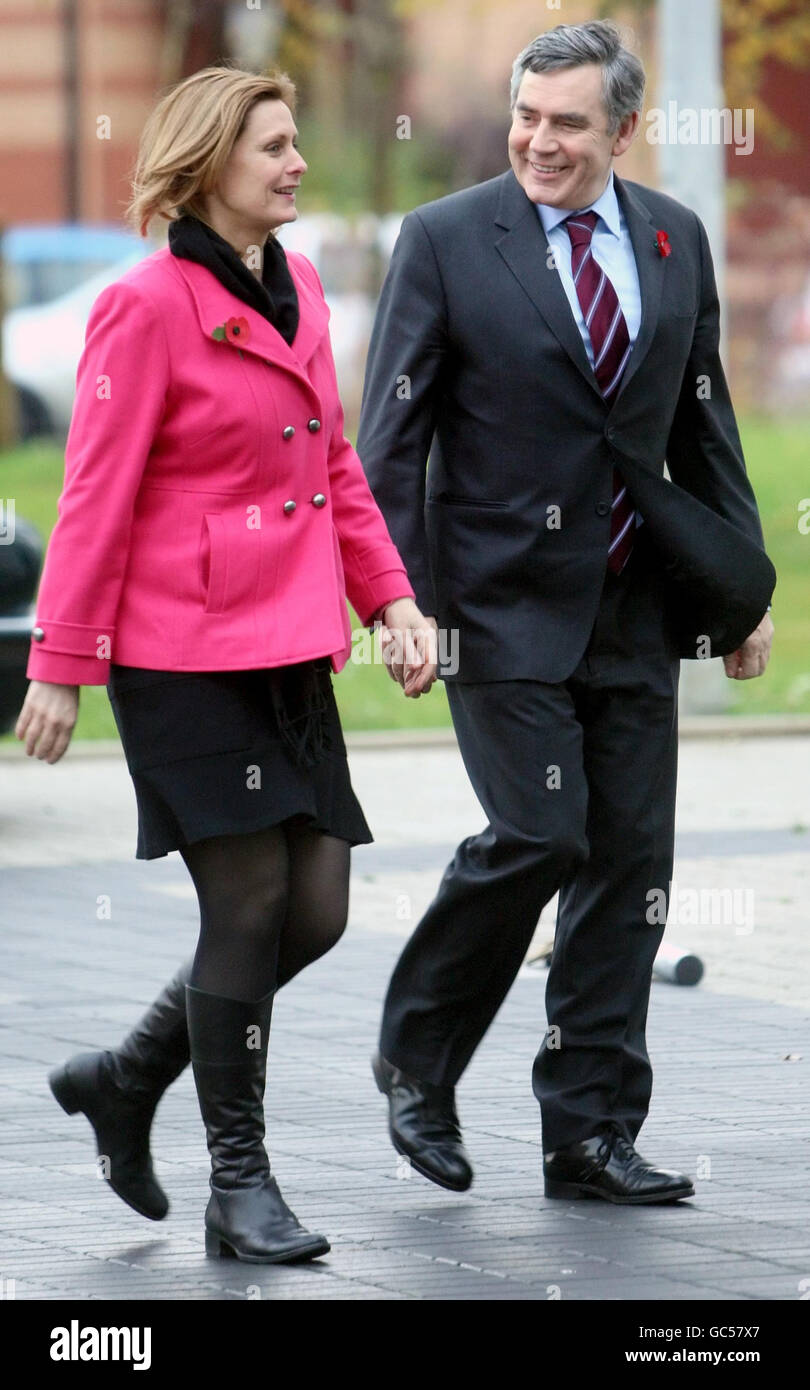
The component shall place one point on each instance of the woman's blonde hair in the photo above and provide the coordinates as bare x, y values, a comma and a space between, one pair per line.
190, 134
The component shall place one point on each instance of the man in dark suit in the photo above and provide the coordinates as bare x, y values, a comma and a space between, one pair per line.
550, 337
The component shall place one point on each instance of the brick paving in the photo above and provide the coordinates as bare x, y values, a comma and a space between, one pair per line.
727, 1107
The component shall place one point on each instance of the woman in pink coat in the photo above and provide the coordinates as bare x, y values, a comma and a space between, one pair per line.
213, 521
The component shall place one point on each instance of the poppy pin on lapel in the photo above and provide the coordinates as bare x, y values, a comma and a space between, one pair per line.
662, 242
233, 330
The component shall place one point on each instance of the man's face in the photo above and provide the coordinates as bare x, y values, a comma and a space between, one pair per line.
559, 146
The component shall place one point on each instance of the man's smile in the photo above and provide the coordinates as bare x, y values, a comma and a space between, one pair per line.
548, 168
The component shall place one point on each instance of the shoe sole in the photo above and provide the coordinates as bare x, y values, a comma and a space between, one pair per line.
218, 1248
574, 1190
64, 1092
379, 1077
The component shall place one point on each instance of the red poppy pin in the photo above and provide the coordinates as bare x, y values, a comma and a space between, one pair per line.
233, 330
662, 242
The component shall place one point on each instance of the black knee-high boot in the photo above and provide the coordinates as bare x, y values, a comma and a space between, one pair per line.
118, 1090
246, 1214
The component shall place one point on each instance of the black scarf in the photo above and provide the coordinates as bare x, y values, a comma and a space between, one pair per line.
276, 298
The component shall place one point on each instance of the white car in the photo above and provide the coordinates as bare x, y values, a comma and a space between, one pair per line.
42, 344
346, 255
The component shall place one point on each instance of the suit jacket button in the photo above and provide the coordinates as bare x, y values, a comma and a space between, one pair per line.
288, 432
319, 500
602, 508
313, 426
38, 634
289, 506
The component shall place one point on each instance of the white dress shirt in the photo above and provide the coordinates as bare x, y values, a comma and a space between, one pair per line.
612, 250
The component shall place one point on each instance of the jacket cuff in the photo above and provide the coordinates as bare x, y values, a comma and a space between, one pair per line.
69, 653
382, 591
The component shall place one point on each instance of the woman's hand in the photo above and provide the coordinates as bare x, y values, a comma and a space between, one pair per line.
409, 646
47, 719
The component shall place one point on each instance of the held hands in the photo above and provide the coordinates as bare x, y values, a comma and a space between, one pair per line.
409, 646
47, 719
752, 657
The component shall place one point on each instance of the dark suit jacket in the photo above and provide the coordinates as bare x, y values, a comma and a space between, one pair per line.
476, 359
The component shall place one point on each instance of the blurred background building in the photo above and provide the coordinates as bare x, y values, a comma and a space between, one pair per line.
79, 77
402, 101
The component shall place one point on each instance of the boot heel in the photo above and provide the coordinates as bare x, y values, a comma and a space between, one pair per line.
216, 1246
63, 1090
555, 1188
379, 1076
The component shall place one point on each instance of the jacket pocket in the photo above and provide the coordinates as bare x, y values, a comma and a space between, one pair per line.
213, 561
230, 560
453, 500
340, 573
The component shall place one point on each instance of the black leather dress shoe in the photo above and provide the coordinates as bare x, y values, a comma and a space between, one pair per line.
608, 1166
423, 1125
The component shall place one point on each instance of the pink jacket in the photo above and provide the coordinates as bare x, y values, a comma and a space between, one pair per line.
214, 516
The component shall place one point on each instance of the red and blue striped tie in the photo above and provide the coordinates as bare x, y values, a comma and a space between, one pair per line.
611, 349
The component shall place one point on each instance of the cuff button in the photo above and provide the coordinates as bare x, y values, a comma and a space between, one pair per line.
38, 634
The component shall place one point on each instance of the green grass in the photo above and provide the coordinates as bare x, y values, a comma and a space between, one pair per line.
778, 460
32, 475
776, 455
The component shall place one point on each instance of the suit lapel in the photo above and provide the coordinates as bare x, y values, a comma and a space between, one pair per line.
651, 267
214, 305
524, 247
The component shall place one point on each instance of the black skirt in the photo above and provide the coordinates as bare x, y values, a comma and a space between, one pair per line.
231, 752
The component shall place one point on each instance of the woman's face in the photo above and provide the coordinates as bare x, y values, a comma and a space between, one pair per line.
256, 191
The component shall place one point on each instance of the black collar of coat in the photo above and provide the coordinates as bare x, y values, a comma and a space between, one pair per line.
275, 298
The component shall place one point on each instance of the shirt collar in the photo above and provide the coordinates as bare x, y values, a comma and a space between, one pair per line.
606, 205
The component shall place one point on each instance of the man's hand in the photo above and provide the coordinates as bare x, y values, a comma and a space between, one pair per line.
409, 646
47, 718
752, 657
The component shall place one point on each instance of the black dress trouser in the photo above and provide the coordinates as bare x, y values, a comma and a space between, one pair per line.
578, 783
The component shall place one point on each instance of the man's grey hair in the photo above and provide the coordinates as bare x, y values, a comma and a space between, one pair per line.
598, 41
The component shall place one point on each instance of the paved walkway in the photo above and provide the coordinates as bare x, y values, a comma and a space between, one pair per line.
731, 1059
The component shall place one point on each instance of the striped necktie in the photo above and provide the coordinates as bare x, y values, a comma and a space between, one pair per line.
611, 345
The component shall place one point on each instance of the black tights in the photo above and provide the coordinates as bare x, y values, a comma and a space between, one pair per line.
270, 902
